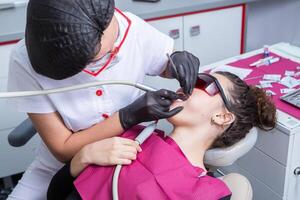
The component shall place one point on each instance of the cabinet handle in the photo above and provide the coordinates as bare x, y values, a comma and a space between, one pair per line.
175, 34
5, 6
195, 31
297, 171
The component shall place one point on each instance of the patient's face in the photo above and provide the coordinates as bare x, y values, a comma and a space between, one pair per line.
200, 107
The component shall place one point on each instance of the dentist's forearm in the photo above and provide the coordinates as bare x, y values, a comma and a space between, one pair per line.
105, 129
64, 144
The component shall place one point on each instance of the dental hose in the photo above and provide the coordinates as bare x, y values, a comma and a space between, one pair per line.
75, 87
140, 138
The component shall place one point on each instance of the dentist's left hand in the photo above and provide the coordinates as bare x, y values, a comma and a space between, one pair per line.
185, 70
150, 106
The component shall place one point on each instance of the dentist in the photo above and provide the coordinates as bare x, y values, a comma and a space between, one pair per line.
79, 41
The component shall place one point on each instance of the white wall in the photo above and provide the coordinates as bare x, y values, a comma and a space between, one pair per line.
272, 21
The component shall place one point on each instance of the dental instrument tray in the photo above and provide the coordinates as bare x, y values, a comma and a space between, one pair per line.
292, 98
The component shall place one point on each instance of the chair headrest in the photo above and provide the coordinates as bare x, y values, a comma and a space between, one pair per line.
226, 156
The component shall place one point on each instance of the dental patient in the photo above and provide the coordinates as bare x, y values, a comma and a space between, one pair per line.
220, 112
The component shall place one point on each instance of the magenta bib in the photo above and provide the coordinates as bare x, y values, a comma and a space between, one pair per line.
161, 171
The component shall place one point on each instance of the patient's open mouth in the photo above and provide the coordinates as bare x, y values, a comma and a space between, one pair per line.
182, 96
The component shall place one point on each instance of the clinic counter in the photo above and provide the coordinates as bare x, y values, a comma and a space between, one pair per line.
286, 123
13, 15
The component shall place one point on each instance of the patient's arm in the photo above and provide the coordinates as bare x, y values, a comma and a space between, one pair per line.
111, 151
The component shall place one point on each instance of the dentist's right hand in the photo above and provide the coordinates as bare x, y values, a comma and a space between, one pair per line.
150, 106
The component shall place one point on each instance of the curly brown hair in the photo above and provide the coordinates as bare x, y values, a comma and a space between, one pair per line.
251, 107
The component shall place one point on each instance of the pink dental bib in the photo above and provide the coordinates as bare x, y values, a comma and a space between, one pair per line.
161, 171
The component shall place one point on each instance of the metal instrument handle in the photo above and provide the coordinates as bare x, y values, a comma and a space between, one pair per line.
174, 33
297, 171
6, 6
195, 31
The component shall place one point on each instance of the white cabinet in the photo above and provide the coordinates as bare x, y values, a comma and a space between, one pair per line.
4, 60
210, 35
9, 117
270, 165
293, 183
12, 19
12, 160
214, 35
172, 27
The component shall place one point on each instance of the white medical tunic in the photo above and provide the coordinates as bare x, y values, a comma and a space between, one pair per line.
143, 52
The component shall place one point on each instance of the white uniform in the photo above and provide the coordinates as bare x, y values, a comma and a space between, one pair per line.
142, 52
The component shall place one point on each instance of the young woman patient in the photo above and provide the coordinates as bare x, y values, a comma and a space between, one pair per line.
220, 112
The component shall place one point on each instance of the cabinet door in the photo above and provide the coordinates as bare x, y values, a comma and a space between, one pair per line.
15, 160
4, 59
260, 190
8, 115
12, 19
172, 27
12, 160
293, 178
214, 35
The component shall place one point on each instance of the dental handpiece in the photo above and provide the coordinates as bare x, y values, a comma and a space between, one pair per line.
146, 133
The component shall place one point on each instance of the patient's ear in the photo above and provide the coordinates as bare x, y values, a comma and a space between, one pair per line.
223, 119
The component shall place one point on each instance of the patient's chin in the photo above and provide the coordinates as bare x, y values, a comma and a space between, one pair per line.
177, 103
172, 120
176, 118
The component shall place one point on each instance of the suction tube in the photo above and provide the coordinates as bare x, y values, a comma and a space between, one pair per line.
140, 139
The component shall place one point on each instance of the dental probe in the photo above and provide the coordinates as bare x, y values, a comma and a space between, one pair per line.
172, 64
181, 94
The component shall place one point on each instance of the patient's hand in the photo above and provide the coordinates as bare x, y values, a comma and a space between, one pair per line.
111, 151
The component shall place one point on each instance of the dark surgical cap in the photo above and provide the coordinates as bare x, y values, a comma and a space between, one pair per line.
62, 36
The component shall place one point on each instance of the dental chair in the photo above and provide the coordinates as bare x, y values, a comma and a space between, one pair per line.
219, 157
239, 185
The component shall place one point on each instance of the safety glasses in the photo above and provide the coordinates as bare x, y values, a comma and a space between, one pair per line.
211, 86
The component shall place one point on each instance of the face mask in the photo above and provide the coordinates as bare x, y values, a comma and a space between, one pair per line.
105, 62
